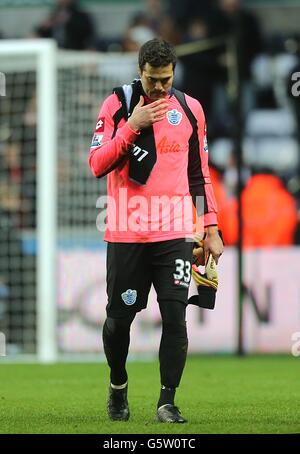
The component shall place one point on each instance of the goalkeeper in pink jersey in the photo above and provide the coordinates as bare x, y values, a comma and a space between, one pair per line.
150, 141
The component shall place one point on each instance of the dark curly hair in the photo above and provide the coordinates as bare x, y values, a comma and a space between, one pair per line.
157, 52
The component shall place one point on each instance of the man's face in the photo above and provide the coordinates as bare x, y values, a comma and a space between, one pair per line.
157, 82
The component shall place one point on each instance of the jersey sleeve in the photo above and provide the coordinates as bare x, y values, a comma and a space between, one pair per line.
200, 184
109, 147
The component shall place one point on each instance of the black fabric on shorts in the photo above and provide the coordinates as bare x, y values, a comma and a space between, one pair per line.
133, 267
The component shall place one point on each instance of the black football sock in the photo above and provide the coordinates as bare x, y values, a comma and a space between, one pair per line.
172, 350
166, 396
172, 354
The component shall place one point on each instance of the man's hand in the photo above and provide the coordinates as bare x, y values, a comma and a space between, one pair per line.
213, 243
144, 116
198, 251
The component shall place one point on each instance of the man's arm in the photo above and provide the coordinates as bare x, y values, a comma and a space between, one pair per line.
106, 151
200, 183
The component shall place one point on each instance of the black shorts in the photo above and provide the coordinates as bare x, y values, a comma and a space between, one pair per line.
133, 267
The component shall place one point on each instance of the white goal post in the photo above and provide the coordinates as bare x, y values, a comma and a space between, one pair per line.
44, 52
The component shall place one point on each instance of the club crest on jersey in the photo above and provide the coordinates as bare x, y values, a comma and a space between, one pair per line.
174, 117
129, 297
205, 144
97, 139
205, 140
100, 125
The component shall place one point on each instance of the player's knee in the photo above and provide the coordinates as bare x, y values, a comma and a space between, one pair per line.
117, 325
175, 330
173, 313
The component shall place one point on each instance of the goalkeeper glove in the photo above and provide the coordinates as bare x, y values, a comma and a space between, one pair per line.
207, 282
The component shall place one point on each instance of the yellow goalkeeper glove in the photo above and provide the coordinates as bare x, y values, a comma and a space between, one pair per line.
210, 277
207, 282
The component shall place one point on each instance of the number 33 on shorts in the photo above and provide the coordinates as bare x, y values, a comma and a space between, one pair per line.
182, 275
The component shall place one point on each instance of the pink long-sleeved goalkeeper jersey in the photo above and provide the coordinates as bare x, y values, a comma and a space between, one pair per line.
162, 209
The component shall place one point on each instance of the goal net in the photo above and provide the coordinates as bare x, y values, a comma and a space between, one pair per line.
50, 262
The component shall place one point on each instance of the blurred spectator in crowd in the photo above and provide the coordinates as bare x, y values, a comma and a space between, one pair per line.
28, 162
20, 154
297, 233
200, 67
162, 22
12, 258
182, 12
138, 32
11, 275
269, 213
10, 180
168, 30
230, 176
154, 10
231, 19
293, 84
226, 207
69, 25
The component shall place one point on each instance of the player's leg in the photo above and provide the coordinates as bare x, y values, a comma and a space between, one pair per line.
172, 274
128, 285
173, 347
116, 339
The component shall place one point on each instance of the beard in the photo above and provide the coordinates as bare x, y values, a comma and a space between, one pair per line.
157, 94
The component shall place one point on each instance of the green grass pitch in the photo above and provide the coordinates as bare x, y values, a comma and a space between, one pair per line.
218, 394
